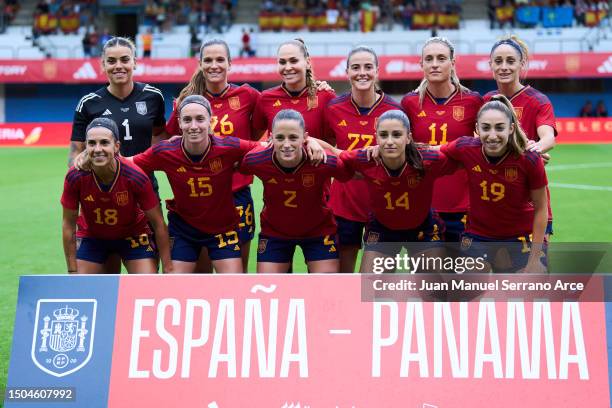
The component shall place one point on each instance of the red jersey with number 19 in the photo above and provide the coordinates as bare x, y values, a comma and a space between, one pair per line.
400, 202
113, 213
294, 203
500, 194
232, 114
202, 189
353, 130
275, 99
440, 123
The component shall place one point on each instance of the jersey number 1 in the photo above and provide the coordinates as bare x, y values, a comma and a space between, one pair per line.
126, 125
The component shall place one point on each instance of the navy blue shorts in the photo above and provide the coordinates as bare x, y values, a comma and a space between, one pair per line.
187, 242
549, 228
272, 249
98, 250
455, 225
349, 232
518, 250
379, 238
246, 209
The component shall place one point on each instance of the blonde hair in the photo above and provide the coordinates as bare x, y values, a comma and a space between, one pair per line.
517, 142
422, 88
311, 83
197, 83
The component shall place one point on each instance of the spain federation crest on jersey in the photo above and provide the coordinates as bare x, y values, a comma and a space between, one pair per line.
63, 335
141, 107
234, 102
122, 198
308, 180
216, 165
458, 113
511, 173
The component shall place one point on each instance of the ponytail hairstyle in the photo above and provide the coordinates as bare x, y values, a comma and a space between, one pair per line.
517, 142
413, 156
311, 83
119, 42
422, 88
519, 45
363, 48
289, 114
197, 83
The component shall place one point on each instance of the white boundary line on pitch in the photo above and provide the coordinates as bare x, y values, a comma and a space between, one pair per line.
581, 187
577, 166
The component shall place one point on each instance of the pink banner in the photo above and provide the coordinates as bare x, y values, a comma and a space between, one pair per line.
578, 65
35, 134
309, 341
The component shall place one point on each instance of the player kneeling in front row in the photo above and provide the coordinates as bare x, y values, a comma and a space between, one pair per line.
400, 190
116, 199
295, 210
507, 185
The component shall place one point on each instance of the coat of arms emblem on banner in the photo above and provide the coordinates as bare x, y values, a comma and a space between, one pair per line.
63, 335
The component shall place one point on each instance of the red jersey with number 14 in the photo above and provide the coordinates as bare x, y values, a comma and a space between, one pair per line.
500, 194
276, 99
232, 115
294, 203
400, 202
440, 123
113, 214
353, 130
202, 189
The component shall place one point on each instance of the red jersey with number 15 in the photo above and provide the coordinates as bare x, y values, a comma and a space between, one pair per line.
232, 115
202, 189
115, 213
275, 99
353, 130
500, 194
400, 202
294, 203
440, 123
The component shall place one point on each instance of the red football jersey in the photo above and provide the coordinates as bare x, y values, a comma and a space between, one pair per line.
294, 203
533, 109
232, 114
400, 202
113, 214
353, 130
278, 98
500, 194
203, 189
438, 124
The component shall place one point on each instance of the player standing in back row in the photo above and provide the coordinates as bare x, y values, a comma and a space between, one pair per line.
351, 119
440, 111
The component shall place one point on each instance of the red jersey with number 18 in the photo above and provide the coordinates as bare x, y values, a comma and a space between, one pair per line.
440, 123
400, 202
275, 99
295, 205
113, 213
232, 115
353, 129
500, 194
202, 189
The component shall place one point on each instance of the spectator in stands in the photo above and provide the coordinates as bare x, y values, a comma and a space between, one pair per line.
194, 42
246, 44
587, 110
86, 41
147, 42
601, 111
105, 37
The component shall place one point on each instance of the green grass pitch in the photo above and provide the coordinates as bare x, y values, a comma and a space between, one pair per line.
30, 227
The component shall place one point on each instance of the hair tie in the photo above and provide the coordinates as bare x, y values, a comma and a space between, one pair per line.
509, 42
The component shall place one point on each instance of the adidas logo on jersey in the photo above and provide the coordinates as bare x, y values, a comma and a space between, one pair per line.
107, 112
86, 71
89, 198
422, 114
277, 103
342, 123
149, 249
181, 170
476, 168
332, 249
